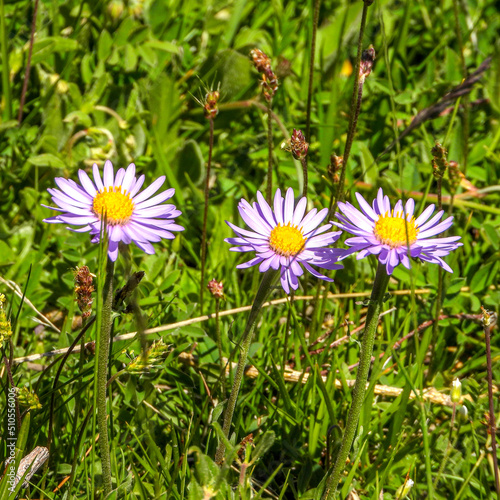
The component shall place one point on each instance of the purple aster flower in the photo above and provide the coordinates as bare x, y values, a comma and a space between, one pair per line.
131, 216
285, 238
395, 234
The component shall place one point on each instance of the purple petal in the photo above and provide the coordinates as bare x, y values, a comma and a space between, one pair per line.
366, 208
424, 215
289, 203
249, 263
160, 198
149, 191
87, 184
108, 174
266, 209
77, 194
129, 178
145, 246
97, 177
300, 210
136, 186
119, 177
278, 207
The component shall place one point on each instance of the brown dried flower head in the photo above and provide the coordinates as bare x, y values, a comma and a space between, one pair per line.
296, 145
216, 288
335, 167
439, 160
366, 63
83, 290
269, 84
260, 60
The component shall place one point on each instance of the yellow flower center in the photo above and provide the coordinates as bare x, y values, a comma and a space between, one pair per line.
396, 231
287, 240
117, 206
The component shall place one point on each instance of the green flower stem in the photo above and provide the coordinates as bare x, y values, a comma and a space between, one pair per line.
374, 309
262, 294
102, 375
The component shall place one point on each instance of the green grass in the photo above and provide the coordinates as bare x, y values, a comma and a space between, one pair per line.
120, 81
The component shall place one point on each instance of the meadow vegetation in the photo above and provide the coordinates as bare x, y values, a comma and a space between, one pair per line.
172, 87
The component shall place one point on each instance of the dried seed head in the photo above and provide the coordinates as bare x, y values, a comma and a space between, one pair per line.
366, 63
216, 288
334, 168
28, 399
269, 84
296, 145
83, 290
439, 160
260, 60
210, 107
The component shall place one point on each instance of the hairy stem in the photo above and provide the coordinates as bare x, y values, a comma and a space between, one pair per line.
374, 309
205, 214
102, 375
262, 294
